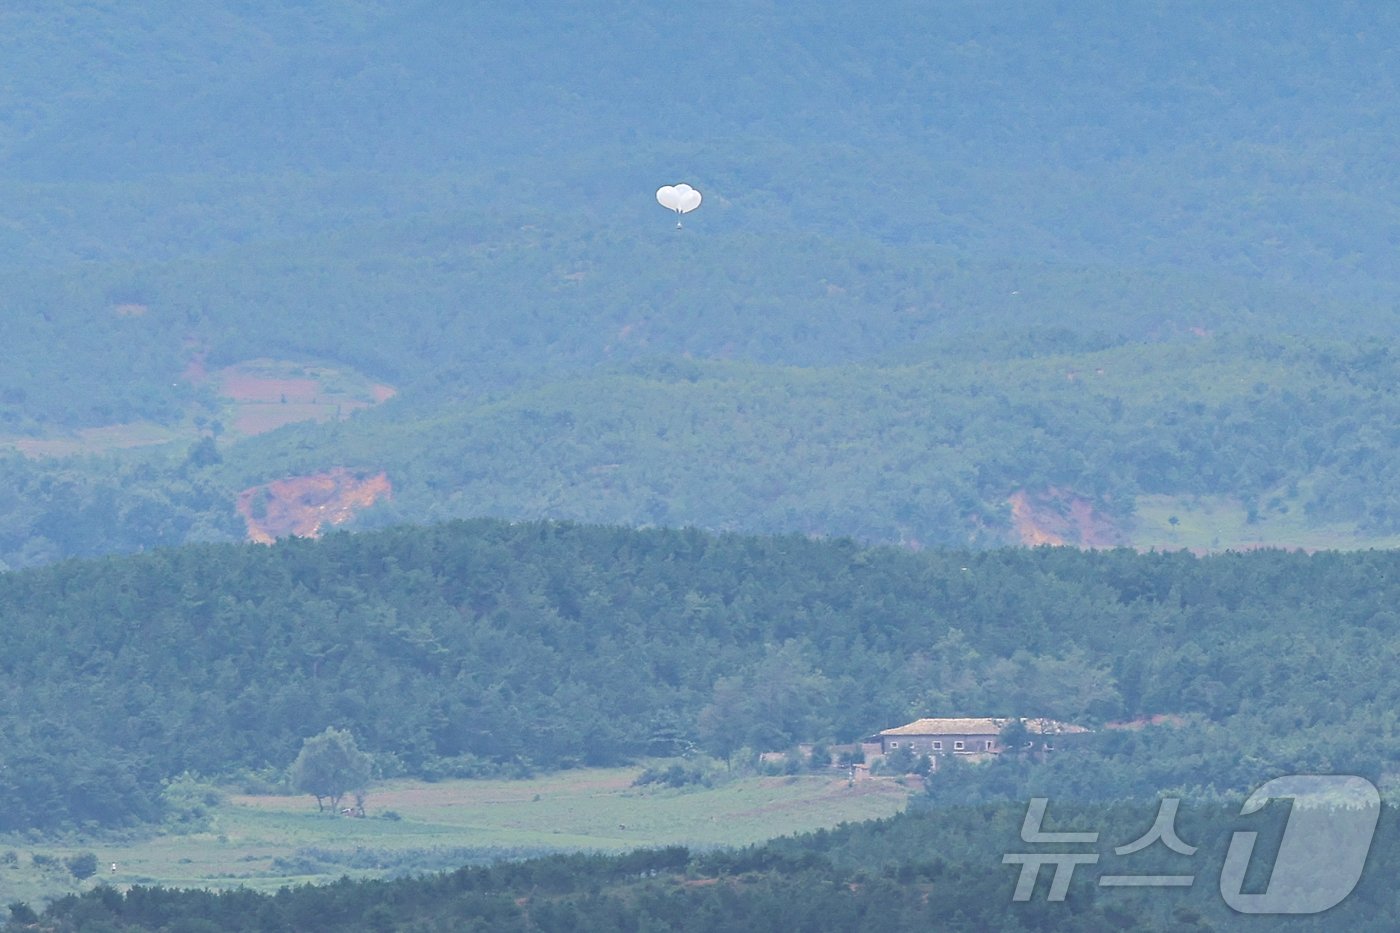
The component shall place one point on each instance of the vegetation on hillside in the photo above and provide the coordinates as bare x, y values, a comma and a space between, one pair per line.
458, 201
487, 647
923, 453
949, 257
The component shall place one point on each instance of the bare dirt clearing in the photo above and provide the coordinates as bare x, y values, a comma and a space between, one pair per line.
1059, 517
304, 505
257, 396
266, 394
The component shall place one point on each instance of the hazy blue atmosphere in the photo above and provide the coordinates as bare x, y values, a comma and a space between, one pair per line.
967, 279
455, 200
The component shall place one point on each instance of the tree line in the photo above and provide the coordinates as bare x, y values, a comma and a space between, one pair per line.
490, 647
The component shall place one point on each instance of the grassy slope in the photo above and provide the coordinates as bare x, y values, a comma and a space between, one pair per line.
265, 842
1221, 523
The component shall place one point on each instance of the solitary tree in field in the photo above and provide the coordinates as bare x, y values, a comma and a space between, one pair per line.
82, 866
329, 766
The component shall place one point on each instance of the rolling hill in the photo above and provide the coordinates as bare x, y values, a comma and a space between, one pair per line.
455, 201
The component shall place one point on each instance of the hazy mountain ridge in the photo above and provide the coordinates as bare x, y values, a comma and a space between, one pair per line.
456, 199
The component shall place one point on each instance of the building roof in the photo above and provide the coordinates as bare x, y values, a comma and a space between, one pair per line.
983, 726
949, 727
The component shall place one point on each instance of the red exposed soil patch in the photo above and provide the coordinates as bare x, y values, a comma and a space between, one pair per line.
304, 505
266, 394
1059, 517
247, 387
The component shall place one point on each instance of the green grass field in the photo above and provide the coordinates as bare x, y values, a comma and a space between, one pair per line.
266, 842
1220, 523
104, 440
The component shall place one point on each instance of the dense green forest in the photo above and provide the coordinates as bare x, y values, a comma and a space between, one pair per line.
936, 868
455, 199
488, 647
1130, 262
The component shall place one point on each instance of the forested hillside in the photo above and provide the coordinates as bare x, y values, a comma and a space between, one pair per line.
965, 275
1293, 437
487, 647
455, 200
924, 454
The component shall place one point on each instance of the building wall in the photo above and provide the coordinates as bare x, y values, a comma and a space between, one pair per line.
941, 744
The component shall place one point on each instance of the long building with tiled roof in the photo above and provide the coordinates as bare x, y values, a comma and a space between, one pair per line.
962, 736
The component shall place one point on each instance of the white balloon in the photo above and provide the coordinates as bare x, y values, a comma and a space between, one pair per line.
679, 198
